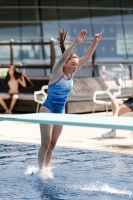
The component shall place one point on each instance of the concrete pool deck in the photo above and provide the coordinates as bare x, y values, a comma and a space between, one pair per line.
72, 136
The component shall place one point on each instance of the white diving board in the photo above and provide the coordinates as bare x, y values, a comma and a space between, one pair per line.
124, 123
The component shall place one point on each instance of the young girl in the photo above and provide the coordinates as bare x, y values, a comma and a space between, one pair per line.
60, 85
12, 83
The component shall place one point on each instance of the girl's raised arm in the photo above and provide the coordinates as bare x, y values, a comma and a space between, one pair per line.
89, 51
21, 80
66, 52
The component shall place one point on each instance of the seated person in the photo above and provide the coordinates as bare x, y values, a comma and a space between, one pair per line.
119, 107
13, 82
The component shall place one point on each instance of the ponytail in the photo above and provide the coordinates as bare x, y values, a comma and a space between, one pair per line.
62, 37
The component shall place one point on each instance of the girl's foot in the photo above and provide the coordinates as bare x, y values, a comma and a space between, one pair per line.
7, 112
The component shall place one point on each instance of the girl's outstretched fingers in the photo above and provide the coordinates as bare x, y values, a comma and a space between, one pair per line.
81, 36
84, 32
97, 37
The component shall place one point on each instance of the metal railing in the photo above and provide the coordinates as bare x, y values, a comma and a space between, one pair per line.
117, 74
41, 70
111, 73
43, 67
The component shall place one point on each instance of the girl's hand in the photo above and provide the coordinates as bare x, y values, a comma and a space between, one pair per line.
132, 96
81, 36
97, 37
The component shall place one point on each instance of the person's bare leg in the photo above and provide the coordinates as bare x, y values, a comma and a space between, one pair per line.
46, 135
4, 96
13, 102
124, 110
115, 105
55, 135
119, 108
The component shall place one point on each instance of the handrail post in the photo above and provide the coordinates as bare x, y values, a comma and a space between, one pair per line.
103, 72
93, 64
11, 51
122, 74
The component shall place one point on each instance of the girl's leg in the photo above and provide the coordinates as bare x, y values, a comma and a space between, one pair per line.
119, 108
13, 102
49, 137
124, 110
2, 102
115, 105
55, 135
46, 136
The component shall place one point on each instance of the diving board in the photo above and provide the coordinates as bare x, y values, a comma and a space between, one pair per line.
124, 123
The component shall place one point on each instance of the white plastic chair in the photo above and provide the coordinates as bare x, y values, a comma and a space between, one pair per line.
103, 102
40, 92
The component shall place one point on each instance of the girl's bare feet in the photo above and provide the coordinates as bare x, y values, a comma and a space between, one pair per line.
7, 112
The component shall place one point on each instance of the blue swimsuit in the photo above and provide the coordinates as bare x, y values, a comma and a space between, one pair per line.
57, 95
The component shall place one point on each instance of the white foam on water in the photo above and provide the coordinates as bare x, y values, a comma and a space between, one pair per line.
103, 188
45, 173
107, 189
31, 170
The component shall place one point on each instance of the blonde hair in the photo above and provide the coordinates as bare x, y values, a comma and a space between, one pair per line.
62, 37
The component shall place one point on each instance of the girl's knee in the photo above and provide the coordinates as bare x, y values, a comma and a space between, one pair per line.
1, 99
15, 96
113, 100
48, 146
52, 145
45, 146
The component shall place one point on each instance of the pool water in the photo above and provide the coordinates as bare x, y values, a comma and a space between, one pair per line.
78, 174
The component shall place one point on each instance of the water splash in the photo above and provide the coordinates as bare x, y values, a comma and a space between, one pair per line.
103, 188
31, 170
46, 173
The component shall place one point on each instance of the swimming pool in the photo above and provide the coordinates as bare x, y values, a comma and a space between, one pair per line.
78, 174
